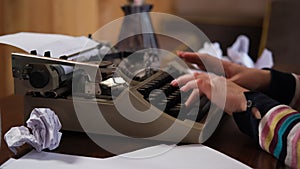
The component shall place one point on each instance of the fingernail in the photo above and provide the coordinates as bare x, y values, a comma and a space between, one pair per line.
186, 104
178, 52
183, 89
174, 83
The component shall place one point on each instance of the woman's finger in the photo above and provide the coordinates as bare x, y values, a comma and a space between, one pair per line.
194, 96
191, 57
183, 79
192, 84
200, 81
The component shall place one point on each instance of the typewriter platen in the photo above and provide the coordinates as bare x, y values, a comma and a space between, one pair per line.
107, 98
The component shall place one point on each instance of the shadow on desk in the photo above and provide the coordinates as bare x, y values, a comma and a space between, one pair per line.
11, 115
226, 139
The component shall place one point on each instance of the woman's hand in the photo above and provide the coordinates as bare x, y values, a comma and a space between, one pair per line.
252, 79
207, 84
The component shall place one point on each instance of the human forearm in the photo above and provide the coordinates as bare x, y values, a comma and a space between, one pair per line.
252, 79
282, 86
246, 120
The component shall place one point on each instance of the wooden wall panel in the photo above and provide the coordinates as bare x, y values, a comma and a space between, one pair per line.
75, 17
22, 15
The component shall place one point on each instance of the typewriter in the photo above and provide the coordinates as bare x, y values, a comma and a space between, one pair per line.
106, 97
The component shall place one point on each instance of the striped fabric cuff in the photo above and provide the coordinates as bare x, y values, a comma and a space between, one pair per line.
279, 134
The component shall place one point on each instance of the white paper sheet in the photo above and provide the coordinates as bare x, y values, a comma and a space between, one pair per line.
190, 156
79, 48
57, 44
30, 41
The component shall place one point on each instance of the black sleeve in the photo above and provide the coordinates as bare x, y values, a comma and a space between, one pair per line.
282, 86
246, 122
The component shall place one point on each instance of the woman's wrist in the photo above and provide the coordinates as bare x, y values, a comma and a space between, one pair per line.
248, 120
281, 86
260, 101
250, 78
264, 80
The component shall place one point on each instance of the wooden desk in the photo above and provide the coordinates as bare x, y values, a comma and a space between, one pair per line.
226, 139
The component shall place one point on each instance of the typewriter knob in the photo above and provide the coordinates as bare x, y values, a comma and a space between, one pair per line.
39, 78
47, 54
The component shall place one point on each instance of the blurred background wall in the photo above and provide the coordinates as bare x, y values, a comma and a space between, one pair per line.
221, 20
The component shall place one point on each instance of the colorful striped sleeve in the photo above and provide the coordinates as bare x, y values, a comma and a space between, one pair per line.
279, 134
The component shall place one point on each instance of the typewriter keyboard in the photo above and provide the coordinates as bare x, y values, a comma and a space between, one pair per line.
160, 93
